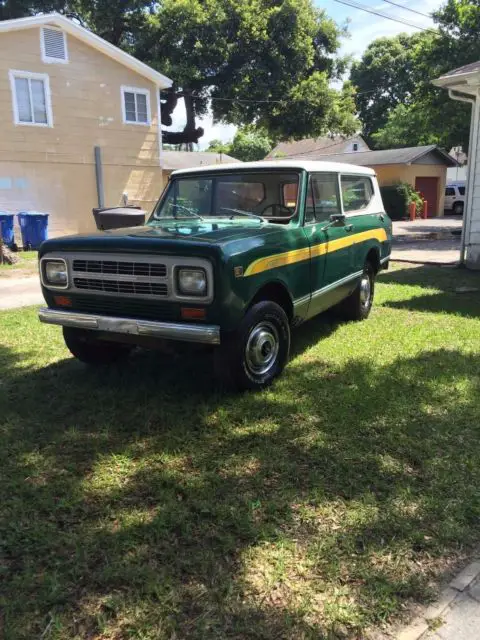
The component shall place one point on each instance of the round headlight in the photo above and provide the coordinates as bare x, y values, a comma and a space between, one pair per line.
55, 272
192, 282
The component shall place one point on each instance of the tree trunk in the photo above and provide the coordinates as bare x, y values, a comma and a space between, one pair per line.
6, 256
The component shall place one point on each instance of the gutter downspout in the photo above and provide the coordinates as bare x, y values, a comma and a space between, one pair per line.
468, 201
159, 128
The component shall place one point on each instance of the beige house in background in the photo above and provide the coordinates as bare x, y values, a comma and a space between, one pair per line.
63, 92
424, 168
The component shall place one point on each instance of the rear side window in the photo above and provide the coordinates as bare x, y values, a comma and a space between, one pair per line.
323, 196
461, 190
357, 192
449, 191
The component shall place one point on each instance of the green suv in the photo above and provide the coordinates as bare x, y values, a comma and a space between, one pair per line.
233, 256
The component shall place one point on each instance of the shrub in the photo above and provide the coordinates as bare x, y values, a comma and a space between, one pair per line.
397, 198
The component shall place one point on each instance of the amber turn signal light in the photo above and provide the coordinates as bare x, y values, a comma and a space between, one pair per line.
188, 313
62, 301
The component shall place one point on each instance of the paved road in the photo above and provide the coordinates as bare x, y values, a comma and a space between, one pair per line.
427, 241
19, 292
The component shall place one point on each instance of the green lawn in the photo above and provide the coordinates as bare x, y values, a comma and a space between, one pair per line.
139, 502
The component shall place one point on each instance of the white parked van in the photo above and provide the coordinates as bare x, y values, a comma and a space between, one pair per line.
455, 197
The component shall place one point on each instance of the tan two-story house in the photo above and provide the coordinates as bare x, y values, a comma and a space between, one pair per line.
80, 123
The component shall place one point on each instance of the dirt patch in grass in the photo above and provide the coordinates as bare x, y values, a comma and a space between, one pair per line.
139, 501
25, 267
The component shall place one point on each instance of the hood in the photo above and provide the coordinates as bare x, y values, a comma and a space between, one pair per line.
170, 235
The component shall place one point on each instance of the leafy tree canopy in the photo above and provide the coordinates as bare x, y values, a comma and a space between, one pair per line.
248, 144
397, 103
262, 62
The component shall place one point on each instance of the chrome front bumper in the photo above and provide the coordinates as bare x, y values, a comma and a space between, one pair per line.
206, 334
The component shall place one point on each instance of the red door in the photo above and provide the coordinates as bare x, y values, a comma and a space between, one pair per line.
428, 189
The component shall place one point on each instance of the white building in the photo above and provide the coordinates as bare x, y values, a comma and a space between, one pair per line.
463, 84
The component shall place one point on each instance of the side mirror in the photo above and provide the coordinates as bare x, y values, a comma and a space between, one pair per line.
337, 218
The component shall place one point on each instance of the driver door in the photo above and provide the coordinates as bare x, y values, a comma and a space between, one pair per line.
330, 250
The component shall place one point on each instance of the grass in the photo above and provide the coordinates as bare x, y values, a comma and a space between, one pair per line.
140, 502
26, 265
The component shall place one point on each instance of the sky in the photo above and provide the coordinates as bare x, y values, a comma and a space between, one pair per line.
363, 28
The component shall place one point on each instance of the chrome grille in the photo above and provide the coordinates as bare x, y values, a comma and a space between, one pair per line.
121, 286
117, 267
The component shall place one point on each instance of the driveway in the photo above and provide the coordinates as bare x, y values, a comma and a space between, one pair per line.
434, 241
20, 292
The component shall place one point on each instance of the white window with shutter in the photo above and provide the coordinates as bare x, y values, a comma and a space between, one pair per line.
135, 105
31, 98
53, 44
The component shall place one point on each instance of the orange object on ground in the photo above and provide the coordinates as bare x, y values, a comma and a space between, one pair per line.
412, 210
425, 210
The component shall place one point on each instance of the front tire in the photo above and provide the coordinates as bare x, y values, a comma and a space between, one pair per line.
359, 303
257, 352
88, 349
458, 208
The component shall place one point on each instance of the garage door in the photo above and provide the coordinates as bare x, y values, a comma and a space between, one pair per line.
428, 188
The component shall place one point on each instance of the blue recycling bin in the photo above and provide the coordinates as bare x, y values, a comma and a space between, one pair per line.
6, 228
34, 228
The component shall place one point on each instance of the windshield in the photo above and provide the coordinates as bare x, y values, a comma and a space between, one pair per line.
262, 195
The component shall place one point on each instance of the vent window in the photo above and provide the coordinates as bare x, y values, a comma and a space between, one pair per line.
53, 45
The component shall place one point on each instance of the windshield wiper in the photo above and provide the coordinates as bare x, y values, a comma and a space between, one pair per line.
190, 211
240, 212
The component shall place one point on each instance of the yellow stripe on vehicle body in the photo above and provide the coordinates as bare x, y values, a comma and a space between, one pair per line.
299, 255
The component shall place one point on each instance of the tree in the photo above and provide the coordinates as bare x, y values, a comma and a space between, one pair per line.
397, 103
385, 77
217, 146
258, 61
250, 144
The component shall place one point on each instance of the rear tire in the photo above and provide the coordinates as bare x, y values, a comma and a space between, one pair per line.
458, 208
359, 303
88, 349
257, 352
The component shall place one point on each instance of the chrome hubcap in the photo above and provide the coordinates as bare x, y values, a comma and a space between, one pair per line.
262, 348
365, 290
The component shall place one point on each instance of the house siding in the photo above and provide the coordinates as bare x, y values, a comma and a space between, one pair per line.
393, 173
53, 169
472, 231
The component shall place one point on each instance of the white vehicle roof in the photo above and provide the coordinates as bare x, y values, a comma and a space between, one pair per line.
307, 165
456, 183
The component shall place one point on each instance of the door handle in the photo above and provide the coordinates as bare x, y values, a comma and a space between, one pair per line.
348, 227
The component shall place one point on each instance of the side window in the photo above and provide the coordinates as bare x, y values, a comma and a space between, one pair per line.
290, 194
461, 191
31, 98
449, 191
357, 192
325, 195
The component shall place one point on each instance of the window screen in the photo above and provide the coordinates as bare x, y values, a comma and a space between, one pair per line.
30, 100
136, 106
325, 195
357, 192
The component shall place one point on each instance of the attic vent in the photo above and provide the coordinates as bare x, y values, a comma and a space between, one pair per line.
54, 45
